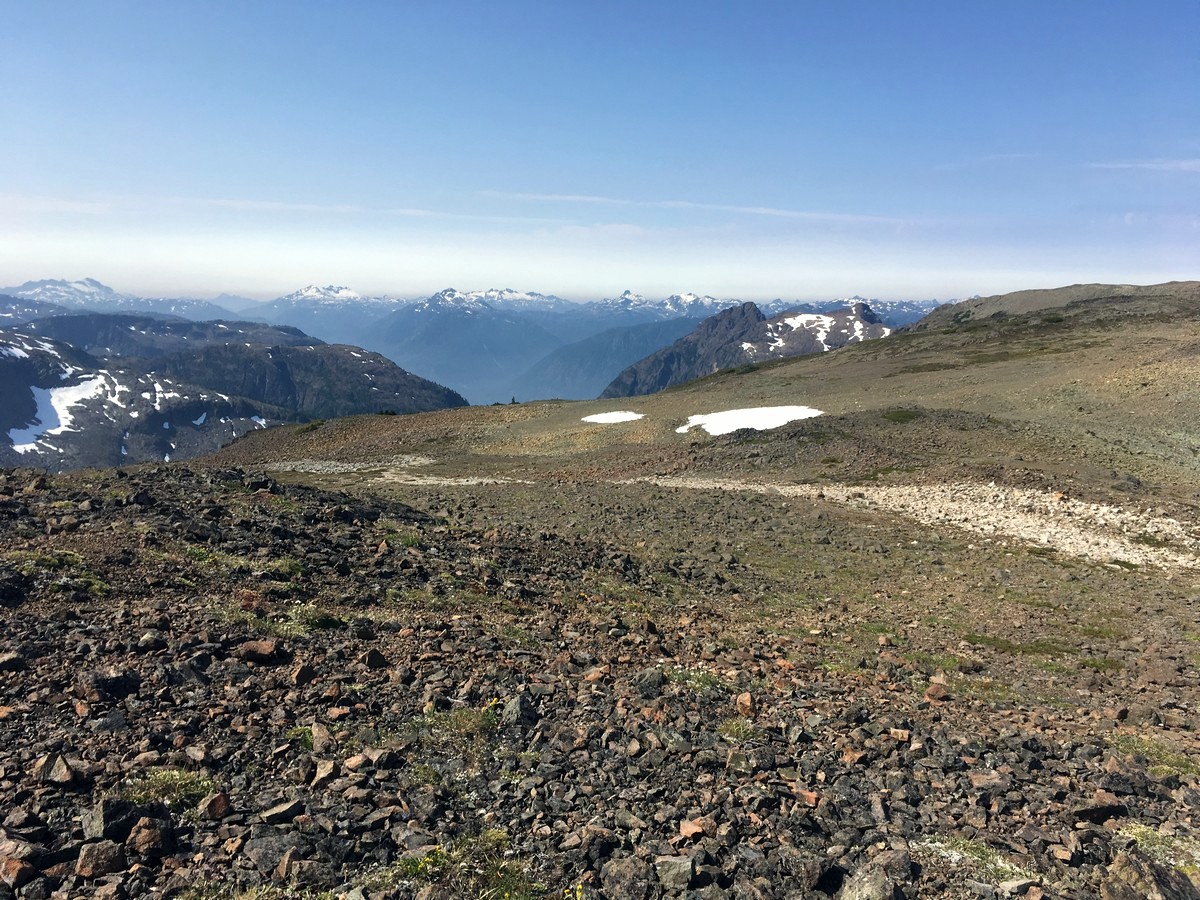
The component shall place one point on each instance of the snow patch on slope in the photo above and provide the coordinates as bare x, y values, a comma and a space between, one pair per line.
761, 418
54, 411
609, 418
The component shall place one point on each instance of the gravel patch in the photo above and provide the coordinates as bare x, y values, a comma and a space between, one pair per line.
1091, 530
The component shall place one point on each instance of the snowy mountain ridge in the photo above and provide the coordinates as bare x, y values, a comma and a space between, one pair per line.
84, 292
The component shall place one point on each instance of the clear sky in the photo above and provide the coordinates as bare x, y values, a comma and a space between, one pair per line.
754, 150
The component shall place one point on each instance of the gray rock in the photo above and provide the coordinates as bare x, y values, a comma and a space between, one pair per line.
628, 878
870, 883
1134, 876
519, 711
674, 872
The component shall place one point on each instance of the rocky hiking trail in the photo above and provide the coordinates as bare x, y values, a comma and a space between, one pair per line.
1047, 518
215, 681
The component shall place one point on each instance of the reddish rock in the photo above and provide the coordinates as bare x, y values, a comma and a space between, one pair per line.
151, 837
16, 873
303, 674
744, 704
215, 806
100, 858
938, 693
266, 652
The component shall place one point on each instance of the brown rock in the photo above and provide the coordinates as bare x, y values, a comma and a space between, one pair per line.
323, 740
17, 873
326, 771
691, 828
744, 704
215, 806
287, 863
282, 813
52, 769
303, 674
265, 652
938, 693
151, 837
100, 858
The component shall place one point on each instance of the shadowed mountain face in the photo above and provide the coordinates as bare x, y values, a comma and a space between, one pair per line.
466, 344
17, 310
581, 370
744, 335
115, 335
154, 389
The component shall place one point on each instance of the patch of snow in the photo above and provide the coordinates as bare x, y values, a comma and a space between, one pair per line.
14, 351
259, 421
609, 418
200, 421
816, 322
54, 412
166, 426
134, 414
761, 418
749, 348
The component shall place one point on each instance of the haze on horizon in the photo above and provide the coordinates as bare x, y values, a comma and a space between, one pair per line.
792, 150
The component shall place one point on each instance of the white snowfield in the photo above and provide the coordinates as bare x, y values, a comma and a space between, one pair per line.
761, 418
53, 414
610, 418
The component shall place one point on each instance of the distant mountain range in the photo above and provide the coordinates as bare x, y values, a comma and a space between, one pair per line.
741, 335
488, 345
93, 296
91, 389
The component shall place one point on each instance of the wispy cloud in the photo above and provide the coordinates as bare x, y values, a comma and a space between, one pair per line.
1156, 165
770, 211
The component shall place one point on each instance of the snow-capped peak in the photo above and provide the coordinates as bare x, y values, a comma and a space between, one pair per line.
507, 298
692, 304
453, 299
58, 290
316, 293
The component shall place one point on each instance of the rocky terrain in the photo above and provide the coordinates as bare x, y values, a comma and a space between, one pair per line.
894, 651
215, 680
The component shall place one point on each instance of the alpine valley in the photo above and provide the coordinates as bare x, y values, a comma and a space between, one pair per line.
93, 376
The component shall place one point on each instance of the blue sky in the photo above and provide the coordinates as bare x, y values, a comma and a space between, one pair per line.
755, 150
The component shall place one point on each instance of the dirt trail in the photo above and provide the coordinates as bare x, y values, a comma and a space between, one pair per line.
1091, 530
1095, 531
